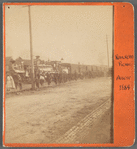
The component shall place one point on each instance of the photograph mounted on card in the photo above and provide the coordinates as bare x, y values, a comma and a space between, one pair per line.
68, 74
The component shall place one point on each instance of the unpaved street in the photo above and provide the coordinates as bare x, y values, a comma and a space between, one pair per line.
73, 112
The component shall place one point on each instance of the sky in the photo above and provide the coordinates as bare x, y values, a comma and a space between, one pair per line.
78, 34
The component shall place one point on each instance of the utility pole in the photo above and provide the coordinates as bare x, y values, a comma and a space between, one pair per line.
31, 50
107, 50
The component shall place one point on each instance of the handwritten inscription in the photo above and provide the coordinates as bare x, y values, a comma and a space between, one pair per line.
123, 57
119, 57
121, 63
123, 77
124, 87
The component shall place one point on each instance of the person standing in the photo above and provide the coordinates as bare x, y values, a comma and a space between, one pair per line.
55, 77
75, 75
18, 81
48, 78
37, 79
42, 79
9, 82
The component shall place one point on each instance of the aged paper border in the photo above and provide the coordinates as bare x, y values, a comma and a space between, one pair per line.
124, 103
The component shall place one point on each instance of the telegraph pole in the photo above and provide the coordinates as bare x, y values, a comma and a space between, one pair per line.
31, 50
107, 50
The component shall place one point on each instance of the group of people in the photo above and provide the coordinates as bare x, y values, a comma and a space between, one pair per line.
15, 80
58, 77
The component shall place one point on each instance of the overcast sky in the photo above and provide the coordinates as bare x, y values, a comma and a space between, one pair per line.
74, 33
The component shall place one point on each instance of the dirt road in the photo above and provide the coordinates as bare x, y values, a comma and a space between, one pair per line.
47, 115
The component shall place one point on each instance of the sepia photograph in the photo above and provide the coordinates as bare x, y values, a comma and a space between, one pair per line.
58, 74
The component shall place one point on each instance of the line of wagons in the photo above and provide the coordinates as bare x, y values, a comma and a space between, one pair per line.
66, 72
